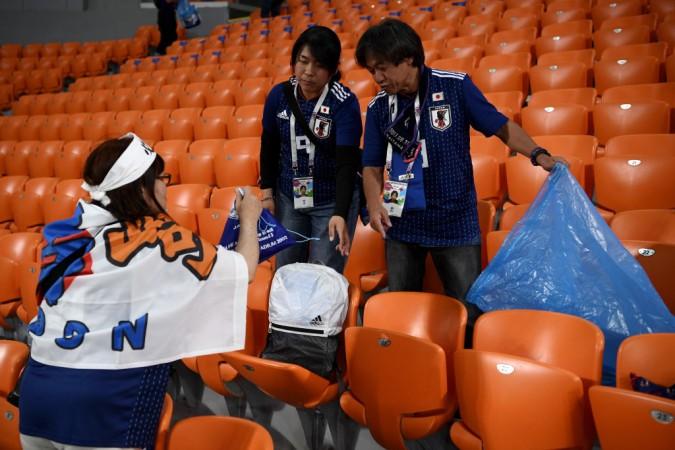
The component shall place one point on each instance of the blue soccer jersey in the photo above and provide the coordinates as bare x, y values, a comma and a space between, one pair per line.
453, 103
93, 408
337, 123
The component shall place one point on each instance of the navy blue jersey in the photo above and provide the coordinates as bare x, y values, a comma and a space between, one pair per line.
93, 408
453, 104
340, 121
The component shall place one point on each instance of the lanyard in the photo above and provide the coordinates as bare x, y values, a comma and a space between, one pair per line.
308, 145
393, 110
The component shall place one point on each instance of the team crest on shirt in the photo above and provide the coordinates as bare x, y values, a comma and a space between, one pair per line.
322, 127
440, 117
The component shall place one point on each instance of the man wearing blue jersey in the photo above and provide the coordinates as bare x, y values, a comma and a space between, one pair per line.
417, 131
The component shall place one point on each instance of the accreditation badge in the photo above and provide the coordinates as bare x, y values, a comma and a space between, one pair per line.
303, 192
394, 197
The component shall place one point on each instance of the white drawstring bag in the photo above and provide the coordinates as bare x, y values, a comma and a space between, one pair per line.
308, 299
307, 308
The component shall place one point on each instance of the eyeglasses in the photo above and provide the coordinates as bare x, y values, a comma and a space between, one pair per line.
165, 177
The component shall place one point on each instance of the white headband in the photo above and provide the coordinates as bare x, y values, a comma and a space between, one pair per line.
129, 167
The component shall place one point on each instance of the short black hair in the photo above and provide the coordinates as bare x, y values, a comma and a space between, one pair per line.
390, 41
324, 45
127, 203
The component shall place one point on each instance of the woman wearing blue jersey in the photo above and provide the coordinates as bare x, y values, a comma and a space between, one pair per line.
309, 154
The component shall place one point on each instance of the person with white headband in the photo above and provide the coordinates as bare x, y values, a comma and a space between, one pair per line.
309, 153
124, 291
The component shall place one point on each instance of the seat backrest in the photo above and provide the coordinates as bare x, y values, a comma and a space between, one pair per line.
486, 174
561, 119
235, 169
213, 433
553, 97
632, 93
437, 318
651, 356
523, 180
626, 419
367, 266
558, 76
513, 402
561, 340
637, 70
388, 390
612, 119
13, 357
657, 260
504, 78
656, 225
634, 182
640, 145
245, 122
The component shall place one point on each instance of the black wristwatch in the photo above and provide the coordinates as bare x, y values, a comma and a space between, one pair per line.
536, 152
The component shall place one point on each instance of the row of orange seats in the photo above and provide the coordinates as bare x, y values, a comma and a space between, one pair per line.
625, 178
635, 109
216, 122
251, 91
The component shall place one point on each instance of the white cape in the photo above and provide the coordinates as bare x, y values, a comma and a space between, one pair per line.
139, 297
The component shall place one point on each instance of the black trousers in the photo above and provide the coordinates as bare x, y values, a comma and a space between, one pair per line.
166, 20
458, 268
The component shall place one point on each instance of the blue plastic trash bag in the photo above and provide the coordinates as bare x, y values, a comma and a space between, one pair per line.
188, 14
562, 256
272, 236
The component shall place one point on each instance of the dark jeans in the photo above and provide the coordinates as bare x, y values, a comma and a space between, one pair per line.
458, 268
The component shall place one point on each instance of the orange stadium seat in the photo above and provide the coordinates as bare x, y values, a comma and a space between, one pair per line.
16, 161
171, 150
495, 79
508, 47
625, 418
13, 358
554, 97
624, 183
583, 27
612, 119
608, 10
30, 130
558, 76
246, 122
639, 70
212, 433
522, 60
185, 200
652, 225
528, 34
557, 43
606, 38
523, 180
26, 204
554, 368
41, 161
69, 163
561, 119
465, 65
424, 329
487, 177
641, 145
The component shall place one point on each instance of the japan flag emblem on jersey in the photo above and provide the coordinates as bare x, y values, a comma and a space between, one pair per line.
440, 117
321, 127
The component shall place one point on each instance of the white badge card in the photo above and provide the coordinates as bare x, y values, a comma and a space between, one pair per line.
394, 197
303, 192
